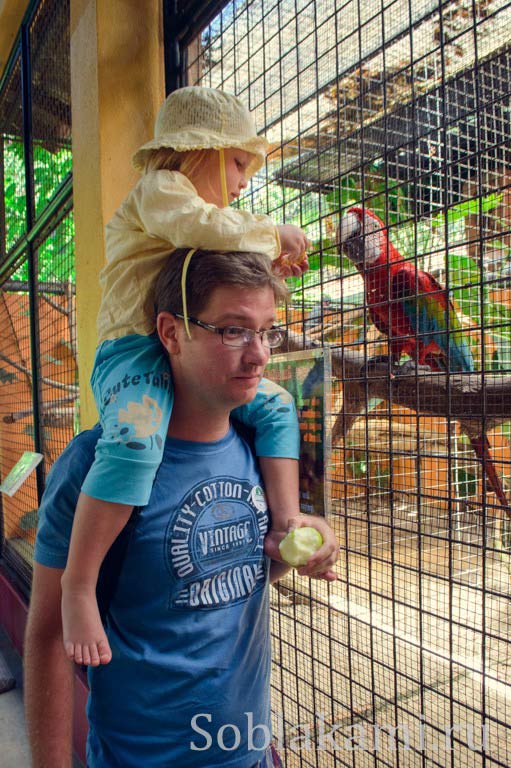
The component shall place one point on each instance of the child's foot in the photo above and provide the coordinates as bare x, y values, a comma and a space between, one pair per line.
85, 640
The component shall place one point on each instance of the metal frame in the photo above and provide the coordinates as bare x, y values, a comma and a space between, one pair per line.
182, 21
26, 99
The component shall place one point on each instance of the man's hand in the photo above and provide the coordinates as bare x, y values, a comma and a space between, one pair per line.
322, 561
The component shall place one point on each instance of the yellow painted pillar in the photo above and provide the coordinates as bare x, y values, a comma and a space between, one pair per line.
11, 16
117, 86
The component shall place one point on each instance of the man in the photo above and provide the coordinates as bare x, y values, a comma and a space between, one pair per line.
188, 622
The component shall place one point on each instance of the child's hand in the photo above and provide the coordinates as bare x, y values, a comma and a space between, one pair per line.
287, 266
320, 564
292, 261
292, 241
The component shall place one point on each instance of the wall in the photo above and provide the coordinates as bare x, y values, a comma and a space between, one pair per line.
117, 85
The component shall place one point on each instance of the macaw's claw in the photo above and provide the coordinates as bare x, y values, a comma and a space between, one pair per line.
409, 368
369, 367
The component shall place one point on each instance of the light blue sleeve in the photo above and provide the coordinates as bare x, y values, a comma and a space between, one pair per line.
272, 413
132, 385
58, 504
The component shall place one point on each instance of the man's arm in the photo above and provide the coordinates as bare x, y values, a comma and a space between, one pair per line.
278, 570
48, 675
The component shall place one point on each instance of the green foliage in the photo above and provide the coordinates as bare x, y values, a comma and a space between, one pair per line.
358, 469
465, 483
50, 169
55, 255
459, 212
14, 191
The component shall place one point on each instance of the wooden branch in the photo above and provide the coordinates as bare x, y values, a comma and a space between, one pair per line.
334, 322
50, 382
22, 286
53, 304
479, 402
62, 417
54, 410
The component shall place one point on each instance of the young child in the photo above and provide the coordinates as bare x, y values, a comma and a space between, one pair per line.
204, 152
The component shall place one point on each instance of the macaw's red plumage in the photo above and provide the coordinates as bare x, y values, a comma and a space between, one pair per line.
405, 303
410, 307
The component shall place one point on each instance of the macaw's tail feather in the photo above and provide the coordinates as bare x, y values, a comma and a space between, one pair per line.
481, 448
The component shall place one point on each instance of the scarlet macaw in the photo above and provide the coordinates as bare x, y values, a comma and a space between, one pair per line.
410, 307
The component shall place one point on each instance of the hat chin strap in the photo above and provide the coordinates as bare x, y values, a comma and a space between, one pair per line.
186, 262
223, 178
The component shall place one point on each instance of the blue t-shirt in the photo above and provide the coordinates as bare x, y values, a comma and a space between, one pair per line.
189, 681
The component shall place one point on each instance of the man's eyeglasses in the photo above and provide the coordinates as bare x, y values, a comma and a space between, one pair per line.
236, 336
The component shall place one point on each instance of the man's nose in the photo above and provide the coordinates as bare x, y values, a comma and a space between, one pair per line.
243, 181
256, 352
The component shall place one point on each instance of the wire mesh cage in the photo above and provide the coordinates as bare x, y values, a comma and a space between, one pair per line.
38, 393
389, 128
13, 218
50, 103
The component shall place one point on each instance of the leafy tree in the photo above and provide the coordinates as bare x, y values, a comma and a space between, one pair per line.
55, 255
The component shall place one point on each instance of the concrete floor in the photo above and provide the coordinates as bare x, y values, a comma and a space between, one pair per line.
13, 736
15, 751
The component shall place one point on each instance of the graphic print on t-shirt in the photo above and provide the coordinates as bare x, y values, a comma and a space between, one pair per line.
214, 544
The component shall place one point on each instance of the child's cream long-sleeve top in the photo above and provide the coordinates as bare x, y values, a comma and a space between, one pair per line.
161, 213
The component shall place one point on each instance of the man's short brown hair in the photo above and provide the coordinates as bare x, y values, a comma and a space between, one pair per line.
209, 270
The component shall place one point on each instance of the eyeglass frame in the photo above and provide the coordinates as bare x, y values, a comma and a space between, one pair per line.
252, 334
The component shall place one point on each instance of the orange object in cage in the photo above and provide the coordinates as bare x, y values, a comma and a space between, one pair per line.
17, 428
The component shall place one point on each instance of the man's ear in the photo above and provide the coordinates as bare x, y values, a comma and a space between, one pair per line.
167, 328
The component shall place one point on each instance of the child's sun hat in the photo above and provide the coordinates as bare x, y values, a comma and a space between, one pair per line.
196, 117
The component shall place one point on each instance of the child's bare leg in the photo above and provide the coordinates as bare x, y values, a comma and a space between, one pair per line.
96, 525
282, 492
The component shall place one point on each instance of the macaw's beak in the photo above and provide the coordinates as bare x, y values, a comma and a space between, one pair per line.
349, 226
350, 241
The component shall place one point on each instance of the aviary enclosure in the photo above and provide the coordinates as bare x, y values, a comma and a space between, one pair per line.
38, 351
401, 110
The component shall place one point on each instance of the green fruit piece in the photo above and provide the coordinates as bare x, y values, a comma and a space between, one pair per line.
299, 545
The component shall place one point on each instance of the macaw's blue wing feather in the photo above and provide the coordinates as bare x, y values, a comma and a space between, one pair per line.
432, 317
460, 354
